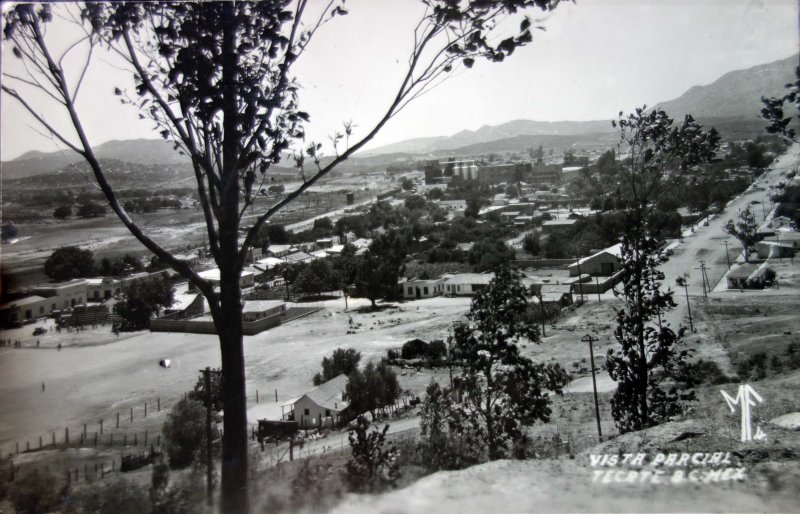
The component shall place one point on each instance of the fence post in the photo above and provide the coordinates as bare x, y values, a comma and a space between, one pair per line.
117, 419
84, 430
276, 396
136, 439
131, 414
256, 395
101, 425
158, 403
66, 436
145, 409
40, 442
27, 446
95, 438
125, 440
54, 439
111, 440
145, 438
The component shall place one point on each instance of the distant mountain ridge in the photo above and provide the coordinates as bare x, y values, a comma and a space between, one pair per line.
145, 152
731, 103
735, 94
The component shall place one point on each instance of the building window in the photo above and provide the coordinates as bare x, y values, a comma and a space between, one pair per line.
425, 290
410, 290
41, 310
327, 413
307, 412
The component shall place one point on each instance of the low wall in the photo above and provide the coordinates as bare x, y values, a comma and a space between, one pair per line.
543, 263
168, 323
604, 285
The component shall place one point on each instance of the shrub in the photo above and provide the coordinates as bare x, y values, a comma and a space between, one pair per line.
185, 433
343, 361
373, 465
708, 372
35, 491
119, 497
414, 349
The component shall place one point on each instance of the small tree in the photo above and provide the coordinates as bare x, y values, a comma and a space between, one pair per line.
62, 212
69, 262
530, 243
91, 210
199, 392
35, 491
185, 433
316, 277
647, 367
446, 441
745, 230
373, 465
142, 300
373, 389
501, 390
343, 361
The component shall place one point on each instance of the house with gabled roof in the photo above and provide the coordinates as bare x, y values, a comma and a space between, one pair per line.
321, 407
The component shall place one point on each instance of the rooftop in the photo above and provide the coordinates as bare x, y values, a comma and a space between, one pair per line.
327, 395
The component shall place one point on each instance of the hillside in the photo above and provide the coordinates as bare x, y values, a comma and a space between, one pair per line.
134, 151
488, 133
735, 94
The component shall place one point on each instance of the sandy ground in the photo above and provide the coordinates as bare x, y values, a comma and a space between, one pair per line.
96, 375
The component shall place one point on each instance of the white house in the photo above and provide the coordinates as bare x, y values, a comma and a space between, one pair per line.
246, 280
604, 263
466, 284
255, 310
321, 407
419, 288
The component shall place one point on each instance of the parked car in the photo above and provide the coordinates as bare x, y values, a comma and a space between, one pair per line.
39, 331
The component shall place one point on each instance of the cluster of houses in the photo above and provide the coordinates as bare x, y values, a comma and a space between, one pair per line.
87, 300
778, 240
597, 272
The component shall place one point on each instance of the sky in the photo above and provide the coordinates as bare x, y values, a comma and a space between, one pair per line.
596, 58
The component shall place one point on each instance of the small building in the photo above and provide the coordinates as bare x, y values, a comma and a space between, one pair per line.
552, 226
604, 263
294, 258
260, 309
64, 295
321, 407
422, 288
786, 237
774, 249
781, 222
267, 263
452, 205
278, 250
466, 284
747, 276
247, 279
508, 216
560, 294
24, 310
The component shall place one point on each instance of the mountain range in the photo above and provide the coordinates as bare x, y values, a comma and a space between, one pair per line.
731, 104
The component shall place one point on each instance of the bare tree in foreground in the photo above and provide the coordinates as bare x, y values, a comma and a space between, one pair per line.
215, 78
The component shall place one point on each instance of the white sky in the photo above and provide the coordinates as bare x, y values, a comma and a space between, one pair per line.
596, 58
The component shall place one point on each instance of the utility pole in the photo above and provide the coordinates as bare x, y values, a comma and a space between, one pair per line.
727, 258
578, 263
209, 461
541, 312
683, 281
702, 269
597, 284
588, 338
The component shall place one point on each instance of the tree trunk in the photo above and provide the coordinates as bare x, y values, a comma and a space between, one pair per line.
234, 442
228, 320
